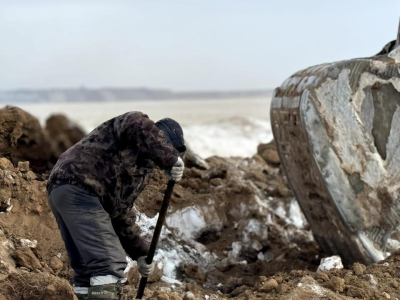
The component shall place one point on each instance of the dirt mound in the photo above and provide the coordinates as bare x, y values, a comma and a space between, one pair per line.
233, 230
241, 214
32, 253
63, 133
237, 237
23, 139
225, 227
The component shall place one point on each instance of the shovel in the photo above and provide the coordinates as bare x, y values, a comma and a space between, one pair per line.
157, 231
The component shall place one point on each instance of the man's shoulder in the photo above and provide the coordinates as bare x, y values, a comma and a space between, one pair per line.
134, 114
134, 119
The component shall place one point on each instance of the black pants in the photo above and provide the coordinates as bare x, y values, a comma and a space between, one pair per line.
90, 240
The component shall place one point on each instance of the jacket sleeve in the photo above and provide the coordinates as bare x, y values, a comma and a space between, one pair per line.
137, 128
129, 235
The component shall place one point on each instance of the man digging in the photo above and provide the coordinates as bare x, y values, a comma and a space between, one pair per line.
92, 189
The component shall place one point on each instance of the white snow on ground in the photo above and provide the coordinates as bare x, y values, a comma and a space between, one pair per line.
171, 260
28, 243
146, 224
170, 251
191, 221
187, 221
332, 262
255, 228
294, 216
169, 257
392, 245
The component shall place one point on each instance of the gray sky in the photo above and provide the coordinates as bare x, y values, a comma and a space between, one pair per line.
183, 44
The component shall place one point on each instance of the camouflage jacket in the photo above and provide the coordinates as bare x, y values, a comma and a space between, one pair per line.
115, 160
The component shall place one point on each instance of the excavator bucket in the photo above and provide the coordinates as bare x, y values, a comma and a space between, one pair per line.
337, 130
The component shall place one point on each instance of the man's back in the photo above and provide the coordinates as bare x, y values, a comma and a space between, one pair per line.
114, 160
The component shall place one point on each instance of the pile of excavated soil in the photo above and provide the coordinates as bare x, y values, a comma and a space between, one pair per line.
33, 261
233, 230
378, 281
23, 139
63, 134
226, 224
241, 215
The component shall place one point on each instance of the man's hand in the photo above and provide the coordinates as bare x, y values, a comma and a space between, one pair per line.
144, 269
177, 170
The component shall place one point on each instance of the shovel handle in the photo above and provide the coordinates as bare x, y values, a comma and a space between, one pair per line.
156, 235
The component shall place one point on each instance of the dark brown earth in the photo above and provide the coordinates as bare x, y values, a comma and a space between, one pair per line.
276, 260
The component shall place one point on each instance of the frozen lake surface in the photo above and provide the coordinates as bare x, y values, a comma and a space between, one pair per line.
231, 127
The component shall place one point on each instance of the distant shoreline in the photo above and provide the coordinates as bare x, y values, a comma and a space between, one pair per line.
73, 95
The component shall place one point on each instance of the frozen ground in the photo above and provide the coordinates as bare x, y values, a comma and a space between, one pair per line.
231, 127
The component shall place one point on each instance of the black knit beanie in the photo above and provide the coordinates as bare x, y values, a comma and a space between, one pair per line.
173, 132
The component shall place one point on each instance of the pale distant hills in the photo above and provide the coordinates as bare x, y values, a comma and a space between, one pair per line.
118, 94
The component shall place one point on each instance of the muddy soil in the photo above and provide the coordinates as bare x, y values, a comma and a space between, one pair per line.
234, 230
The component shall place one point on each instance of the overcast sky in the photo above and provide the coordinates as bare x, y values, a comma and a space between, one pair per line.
183, 44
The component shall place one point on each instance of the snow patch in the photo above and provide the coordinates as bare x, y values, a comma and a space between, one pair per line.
255, 228
296, 216
170, 251
392, 245
187, 222
332, 262
28, 243
171, 260
293, 216
234, 254
190, 222
146, 224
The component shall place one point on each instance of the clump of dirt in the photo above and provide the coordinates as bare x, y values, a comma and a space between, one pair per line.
269, 153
